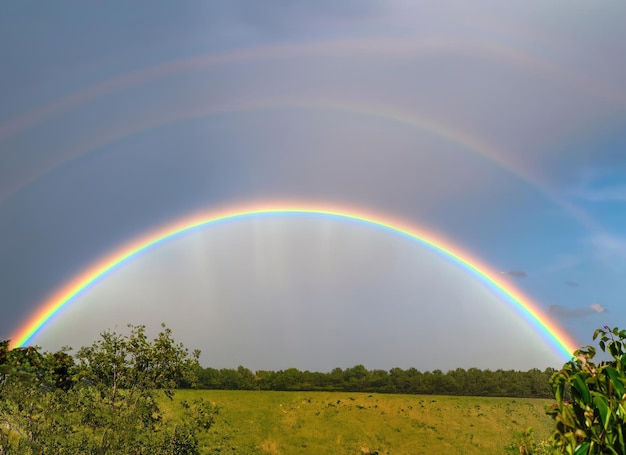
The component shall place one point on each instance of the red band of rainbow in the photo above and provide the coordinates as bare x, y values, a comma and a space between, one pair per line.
558, 339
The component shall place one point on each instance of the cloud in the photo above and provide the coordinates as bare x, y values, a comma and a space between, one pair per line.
598, 308
515, 273
560, 311
609, 249
608, 194
610, 242
572, 283
601, 183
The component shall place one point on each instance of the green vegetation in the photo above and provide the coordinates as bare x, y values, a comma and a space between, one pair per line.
590, 415
117, 397
252, 422
473, 382
105, 403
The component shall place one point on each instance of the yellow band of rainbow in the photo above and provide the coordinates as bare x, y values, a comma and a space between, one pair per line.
556, 338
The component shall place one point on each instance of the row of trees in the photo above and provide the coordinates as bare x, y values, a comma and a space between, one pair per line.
502, 383
102, 400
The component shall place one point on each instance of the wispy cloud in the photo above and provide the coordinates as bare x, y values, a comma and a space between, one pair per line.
607, 194
608, 247
515, 273
597, 308
600, 184
561, 311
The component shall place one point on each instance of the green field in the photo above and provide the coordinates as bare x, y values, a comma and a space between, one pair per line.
253, 422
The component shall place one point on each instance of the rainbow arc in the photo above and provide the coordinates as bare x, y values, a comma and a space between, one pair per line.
555, 337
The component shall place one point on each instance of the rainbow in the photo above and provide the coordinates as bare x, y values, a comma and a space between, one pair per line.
343, 48
558, 339
449, 133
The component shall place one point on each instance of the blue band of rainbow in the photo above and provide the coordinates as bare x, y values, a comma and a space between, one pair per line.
555, 337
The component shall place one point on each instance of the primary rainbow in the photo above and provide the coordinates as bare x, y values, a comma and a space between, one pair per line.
555, 336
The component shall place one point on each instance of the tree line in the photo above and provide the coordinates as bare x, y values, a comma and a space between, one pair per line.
533, 383
104, 399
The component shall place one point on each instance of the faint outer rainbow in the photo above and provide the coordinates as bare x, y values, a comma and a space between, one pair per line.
558, 339
348, 48
454, 135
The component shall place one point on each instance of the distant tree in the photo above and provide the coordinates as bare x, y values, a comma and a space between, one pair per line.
539, 383
289, 379
336, 378
355, 378
4, 351
209, 378
246, 378
264, 380
379, 381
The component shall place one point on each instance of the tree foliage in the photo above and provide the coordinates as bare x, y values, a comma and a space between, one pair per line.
475, 382
102, 401
590, 412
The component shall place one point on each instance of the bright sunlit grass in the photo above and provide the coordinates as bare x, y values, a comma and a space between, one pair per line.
252, 422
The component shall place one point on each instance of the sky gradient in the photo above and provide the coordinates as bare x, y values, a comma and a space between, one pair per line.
499, 128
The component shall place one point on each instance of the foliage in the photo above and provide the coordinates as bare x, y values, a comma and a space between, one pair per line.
103, 401
590, 414
471, 382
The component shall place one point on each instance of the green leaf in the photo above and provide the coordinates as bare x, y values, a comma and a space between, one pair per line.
582, 449
620, 439
615, 350
602, 404
616, 380
558, 387
579, 385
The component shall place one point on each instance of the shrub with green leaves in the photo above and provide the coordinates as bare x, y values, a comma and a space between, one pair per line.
589, 413
105, 403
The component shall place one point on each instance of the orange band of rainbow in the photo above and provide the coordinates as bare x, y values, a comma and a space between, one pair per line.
555, 336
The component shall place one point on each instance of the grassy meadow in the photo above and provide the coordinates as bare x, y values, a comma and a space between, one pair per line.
267, 422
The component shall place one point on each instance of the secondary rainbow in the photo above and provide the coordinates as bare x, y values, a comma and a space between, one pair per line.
448, 133
554, 335
338, 48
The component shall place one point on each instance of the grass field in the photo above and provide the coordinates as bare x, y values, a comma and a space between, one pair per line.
252, 422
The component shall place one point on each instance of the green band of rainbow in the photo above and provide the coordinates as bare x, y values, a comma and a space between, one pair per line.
554, 336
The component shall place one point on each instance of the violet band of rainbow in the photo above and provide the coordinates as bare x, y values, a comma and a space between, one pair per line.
453, 135
555, 337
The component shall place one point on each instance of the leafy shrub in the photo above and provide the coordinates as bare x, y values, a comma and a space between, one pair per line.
589, 413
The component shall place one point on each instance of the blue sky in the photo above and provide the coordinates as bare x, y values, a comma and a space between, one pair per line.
499, 127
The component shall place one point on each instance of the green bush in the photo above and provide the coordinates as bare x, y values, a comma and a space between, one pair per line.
105, 402
589, 413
